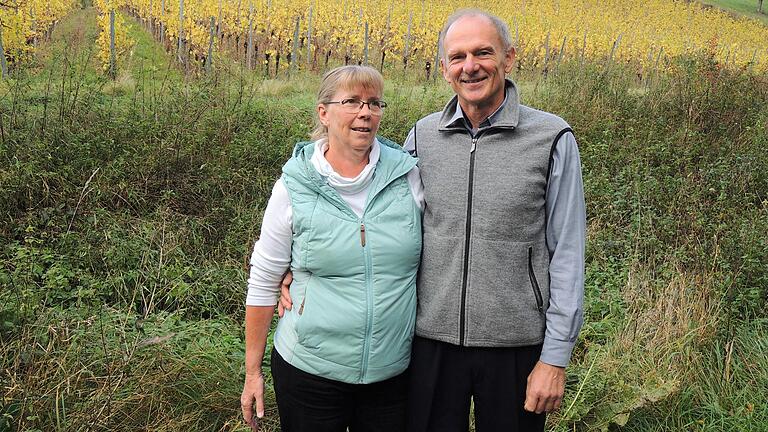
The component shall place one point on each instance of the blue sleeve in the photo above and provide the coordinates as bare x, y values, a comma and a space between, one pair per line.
566, 237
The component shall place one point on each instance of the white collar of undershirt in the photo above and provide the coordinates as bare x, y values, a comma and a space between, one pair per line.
338, 182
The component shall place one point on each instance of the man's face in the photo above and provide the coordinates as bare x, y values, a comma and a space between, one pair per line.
475, 62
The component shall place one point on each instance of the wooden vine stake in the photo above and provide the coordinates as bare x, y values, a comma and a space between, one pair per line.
112, 54
295, 51
180, 49
209, 58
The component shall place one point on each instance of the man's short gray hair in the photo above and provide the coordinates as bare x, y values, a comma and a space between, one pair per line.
502, 29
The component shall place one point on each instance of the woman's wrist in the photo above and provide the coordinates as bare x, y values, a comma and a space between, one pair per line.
253, 372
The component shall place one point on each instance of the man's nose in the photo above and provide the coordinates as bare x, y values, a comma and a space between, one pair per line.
469, 64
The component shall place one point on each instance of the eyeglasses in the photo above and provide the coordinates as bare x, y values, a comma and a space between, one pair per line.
354, 105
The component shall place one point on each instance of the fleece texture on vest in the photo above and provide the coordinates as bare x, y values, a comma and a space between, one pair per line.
354, 278
484, 276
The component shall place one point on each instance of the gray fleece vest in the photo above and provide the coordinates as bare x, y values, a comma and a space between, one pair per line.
484, 275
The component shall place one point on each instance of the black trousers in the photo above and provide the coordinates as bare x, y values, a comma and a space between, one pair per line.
445, 378
309, 403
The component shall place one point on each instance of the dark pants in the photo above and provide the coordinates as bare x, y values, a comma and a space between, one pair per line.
309, 403
445, 377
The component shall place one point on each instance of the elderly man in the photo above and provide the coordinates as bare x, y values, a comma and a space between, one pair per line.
500, 287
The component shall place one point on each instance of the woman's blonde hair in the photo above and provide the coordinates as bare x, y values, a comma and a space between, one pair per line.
344, 78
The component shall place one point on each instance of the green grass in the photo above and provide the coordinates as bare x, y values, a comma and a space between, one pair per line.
128, 210
745, 8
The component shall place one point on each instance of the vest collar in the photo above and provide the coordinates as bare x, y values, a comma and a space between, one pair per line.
393, 163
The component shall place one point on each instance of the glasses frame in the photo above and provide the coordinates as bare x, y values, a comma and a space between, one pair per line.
348, 103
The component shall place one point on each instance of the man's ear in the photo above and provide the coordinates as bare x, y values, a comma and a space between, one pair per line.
444, 70
509, 59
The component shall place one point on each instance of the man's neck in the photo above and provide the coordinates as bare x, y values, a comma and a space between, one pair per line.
477, 114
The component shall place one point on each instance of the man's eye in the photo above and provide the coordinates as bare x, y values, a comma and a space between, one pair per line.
375, 103
350, 101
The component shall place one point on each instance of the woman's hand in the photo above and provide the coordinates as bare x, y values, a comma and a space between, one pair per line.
253, 391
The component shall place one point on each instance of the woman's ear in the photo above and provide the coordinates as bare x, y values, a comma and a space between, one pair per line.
322, 114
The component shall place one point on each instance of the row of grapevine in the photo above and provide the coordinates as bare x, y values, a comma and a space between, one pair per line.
23, 23
113, 40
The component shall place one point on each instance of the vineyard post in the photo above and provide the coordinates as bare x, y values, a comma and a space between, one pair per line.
249, 49
295, 50
517, 34
181, 32
3, 63
435, 70
407, 48
365, 49
752, 62
162, 22
238, 43
546, 54
34, 26
562, 52
209, 59
219, 32
309, 38
645, 70
615, 47
149, 18
656, 64
112, 55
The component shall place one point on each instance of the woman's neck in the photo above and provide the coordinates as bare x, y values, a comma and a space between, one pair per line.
347, 162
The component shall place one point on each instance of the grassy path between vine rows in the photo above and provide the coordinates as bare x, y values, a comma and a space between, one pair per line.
745, 8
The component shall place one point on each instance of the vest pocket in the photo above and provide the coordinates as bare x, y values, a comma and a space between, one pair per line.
301, 315
534, 282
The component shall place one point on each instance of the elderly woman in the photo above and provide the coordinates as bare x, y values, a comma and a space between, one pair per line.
345, 218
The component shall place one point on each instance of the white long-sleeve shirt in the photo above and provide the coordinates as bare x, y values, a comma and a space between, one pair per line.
272, 252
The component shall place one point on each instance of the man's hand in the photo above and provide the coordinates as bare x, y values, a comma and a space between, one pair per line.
546, 385
253, 391
285, 302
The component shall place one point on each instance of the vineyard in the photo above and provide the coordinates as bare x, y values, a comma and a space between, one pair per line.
277, 35
137, 156
311, 32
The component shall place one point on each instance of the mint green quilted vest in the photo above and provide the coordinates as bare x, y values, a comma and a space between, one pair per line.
354, 278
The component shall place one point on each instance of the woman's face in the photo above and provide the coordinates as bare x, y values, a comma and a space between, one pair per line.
348, 127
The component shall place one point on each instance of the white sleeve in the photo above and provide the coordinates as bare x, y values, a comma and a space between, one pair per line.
272, 252
417, 188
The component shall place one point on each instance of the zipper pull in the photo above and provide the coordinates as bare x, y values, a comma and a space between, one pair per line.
362, 234
301, 308
474, 144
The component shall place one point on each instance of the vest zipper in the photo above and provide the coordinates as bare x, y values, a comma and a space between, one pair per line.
369, 303
467, 236
535, 283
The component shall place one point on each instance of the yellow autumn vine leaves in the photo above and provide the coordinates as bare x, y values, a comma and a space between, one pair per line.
640, 30
23, 23
123, 42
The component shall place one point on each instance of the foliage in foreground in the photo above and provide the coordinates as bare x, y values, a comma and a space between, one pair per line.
128, 211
